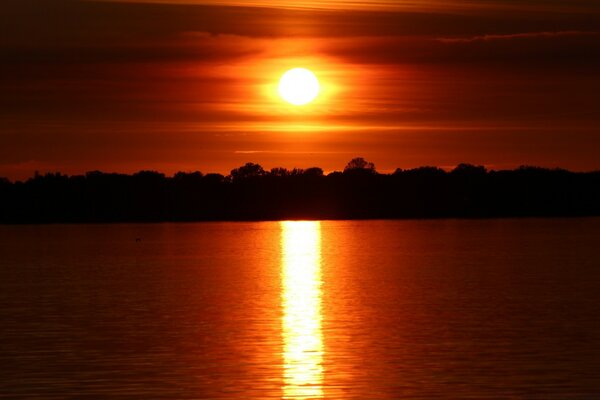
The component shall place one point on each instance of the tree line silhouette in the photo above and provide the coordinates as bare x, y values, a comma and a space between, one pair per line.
252, 193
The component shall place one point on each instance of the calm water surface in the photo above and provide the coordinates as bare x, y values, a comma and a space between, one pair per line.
299, 310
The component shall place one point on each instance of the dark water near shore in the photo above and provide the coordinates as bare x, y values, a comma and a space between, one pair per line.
334, 309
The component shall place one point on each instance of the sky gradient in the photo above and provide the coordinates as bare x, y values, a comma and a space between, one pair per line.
191, 85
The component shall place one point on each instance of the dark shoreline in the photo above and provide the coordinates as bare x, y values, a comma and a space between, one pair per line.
251, 194
209, 221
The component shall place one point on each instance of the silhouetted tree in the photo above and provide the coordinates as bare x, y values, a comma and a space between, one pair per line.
279, 172
359, 163
213, 178
422, 171
188, 176
469, 169
313, 171
249, 170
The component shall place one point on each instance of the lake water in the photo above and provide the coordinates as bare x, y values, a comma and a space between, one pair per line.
334, 309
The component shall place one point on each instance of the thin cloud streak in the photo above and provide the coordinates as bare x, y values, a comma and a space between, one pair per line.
527, 35
288, 152
389, 5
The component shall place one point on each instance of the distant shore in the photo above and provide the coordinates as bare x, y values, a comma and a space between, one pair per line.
251, 193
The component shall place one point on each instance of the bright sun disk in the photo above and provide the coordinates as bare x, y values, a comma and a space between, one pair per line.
299, 86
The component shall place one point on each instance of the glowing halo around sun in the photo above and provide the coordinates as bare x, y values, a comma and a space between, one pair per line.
299, 86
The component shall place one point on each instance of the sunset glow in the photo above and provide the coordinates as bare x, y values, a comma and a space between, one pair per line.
301, 298
299, 86
404, 84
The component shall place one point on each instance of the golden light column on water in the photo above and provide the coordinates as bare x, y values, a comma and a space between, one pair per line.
301, 300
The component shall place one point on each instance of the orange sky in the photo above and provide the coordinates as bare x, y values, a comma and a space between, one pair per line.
116, 86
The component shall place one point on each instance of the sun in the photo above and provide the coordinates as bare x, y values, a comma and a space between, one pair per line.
299, 86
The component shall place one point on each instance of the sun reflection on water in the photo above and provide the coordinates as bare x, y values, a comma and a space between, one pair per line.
301, 299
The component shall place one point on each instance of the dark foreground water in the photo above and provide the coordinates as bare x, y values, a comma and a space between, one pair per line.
336, 309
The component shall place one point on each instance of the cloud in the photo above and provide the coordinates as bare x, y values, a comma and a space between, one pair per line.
552, 50
513, 36
38, 23
393, 5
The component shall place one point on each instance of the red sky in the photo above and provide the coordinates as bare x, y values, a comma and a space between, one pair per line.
189, 85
